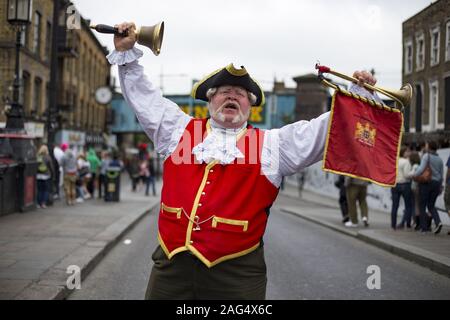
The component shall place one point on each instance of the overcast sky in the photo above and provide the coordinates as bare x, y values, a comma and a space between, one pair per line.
271, 38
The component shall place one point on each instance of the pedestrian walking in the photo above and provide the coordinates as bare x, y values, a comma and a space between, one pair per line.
69, 165
447, 189
144, 174
343, 204
84, 175
94, 165
104, 164
402, 190
219, 178
151, 177
45, 172
357, 192
430, 190
414, 159
58, 154
133, 171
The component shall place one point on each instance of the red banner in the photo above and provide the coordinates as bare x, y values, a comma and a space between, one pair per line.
363, 141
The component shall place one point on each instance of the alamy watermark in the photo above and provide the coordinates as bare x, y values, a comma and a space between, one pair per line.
73, 21
74, 280
374, 280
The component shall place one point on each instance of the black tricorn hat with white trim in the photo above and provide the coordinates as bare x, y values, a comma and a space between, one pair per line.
228, 76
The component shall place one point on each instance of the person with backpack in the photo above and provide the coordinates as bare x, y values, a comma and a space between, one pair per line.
44, 175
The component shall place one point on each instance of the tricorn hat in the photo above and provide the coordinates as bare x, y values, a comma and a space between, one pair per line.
228, 76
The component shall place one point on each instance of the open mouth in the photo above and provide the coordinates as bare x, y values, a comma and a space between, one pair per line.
231, 106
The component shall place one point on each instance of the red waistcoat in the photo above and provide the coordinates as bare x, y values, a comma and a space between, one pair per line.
218, 212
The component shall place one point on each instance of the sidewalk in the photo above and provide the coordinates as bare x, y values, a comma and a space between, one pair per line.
36, 248
429, 250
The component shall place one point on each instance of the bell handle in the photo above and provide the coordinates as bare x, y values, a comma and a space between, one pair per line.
104, 28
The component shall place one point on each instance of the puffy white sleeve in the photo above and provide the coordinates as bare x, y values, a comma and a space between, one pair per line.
293, 147
161, 119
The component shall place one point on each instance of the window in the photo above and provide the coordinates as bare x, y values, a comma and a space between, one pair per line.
37, 33
37, 98
408, 57
420, 52
434, 56
48, 42
447, 42
24, 36
434, 104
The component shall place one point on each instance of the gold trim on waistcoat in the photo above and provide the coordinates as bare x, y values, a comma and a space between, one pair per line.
178, 211
188, 245
242, 223
199, 256
197, 201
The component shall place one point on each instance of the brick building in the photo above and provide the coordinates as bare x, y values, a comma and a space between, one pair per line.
426, 65
82, 59
35, 55
82, 68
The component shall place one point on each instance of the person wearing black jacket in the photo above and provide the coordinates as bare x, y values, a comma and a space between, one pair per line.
340, 184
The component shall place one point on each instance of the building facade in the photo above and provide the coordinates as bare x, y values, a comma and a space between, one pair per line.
35, 55
426, 66
312, 97
82, 69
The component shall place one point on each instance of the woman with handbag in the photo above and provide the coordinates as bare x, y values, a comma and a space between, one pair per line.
429, 175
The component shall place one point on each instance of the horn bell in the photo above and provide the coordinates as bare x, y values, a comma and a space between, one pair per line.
151, 37
402, 96
405, 94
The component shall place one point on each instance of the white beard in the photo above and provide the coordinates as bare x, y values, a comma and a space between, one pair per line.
221, 117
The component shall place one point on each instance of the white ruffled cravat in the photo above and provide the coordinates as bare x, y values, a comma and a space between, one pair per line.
219, 144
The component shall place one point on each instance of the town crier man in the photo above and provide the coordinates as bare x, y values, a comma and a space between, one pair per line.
221, 177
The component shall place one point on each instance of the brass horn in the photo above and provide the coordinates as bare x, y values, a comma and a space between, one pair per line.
402, 97
150, 37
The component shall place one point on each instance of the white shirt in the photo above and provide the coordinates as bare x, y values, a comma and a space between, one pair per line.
285, 151
58, 153
404, 171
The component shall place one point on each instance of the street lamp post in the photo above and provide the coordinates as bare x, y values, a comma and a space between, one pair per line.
53, 96
19, 15
23, 151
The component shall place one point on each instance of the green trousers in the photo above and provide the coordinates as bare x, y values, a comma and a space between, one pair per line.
185, 277
357, 193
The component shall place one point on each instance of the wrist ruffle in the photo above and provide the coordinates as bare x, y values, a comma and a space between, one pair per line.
124, 57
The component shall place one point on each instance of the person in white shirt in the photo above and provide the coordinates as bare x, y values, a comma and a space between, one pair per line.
402, 189
215, 204
58, 155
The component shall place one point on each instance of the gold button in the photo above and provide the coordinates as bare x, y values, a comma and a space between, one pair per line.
199, 204
203, 193
208, 182
211, 171
191, 242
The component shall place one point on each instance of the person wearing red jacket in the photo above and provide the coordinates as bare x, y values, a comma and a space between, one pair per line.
221, 177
